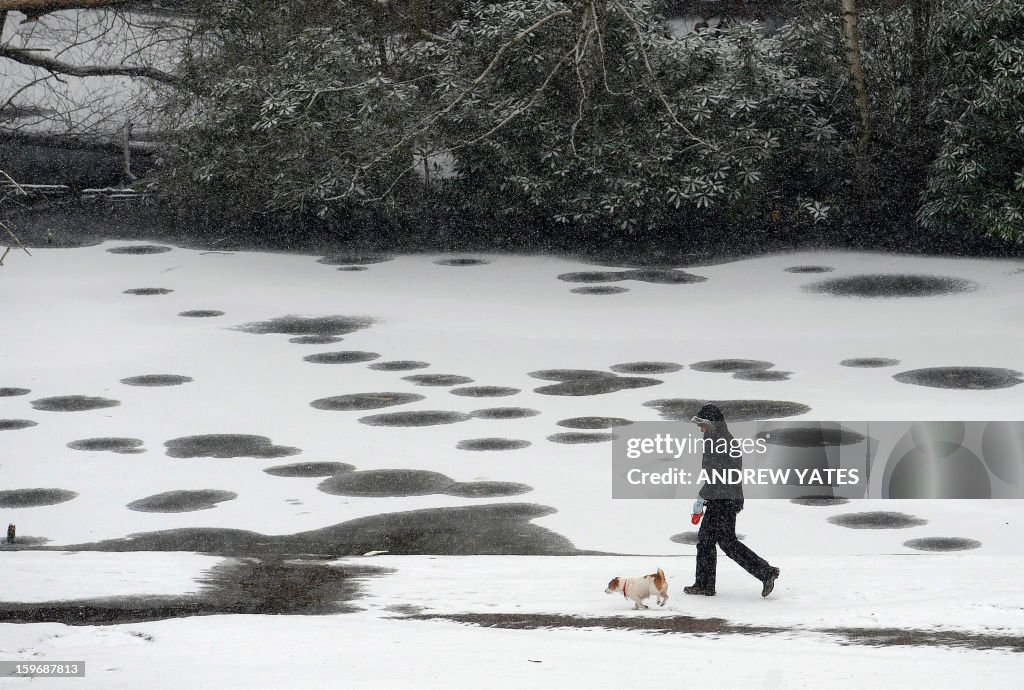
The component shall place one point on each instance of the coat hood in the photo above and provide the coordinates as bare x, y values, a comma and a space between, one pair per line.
713, 417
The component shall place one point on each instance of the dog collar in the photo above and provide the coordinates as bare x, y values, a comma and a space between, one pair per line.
624, 585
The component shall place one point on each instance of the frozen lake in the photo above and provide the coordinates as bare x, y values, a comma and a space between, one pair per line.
246, 403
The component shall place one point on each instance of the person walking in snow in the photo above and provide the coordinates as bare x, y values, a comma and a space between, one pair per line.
720, 503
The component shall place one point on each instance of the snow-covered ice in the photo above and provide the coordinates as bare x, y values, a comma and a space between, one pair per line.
71, 330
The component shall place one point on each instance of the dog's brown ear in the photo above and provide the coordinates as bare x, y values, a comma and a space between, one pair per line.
659, 578
614, 584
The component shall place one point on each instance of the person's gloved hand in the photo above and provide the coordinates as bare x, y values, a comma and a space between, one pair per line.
698, 511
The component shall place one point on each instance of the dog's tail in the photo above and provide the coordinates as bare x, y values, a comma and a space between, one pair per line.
659, 579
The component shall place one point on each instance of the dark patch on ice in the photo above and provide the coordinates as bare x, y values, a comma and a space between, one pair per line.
417, 418
311, 325
686, 625
146, 292
961, 378
494, 528
599, 290
573, 438
492, 444
182, 501
73, 403
399, 365
33, 498
811, 437
772, 375
386, 483
227, 446
13, 392
889, 285
869, 362
365, 401
341, 357
571, 374
315, 339
900, 637
351, 269
156, 380
309, 469
488, 489
942, 544
591, 277
821, 501
731, 366
663, 276
249, 586
698, 627
504, 413
578, 382
354, 259
690, 538
404, 609
646, 367
201, 313
20, 543
437, 379
462, 261
16, 424
683, 409
877, 520
593, 422
108, 443
596, 386
809, 269
485, 391
140, 249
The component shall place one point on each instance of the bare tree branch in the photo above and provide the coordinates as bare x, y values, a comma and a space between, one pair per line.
32, 58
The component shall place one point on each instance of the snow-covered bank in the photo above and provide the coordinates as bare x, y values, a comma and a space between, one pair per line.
927, 592
363, 651
56, 576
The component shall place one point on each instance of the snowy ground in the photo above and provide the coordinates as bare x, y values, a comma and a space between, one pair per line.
72, 331
795, 647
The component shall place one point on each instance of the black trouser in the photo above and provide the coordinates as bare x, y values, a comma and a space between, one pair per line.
719, 527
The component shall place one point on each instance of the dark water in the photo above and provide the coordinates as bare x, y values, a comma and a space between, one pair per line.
309, 469
109, 443
877, 520
183, 501
301, 325
227, 446
33, 498
73, 403
885, 285
365, 401
156, 380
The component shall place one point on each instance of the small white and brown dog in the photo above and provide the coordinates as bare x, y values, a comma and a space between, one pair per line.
639, 588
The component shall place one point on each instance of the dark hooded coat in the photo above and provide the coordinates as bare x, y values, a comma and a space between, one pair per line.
712, 461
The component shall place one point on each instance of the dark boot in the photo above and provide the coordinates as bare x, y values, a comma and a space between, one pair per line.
769, 582
699, 591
